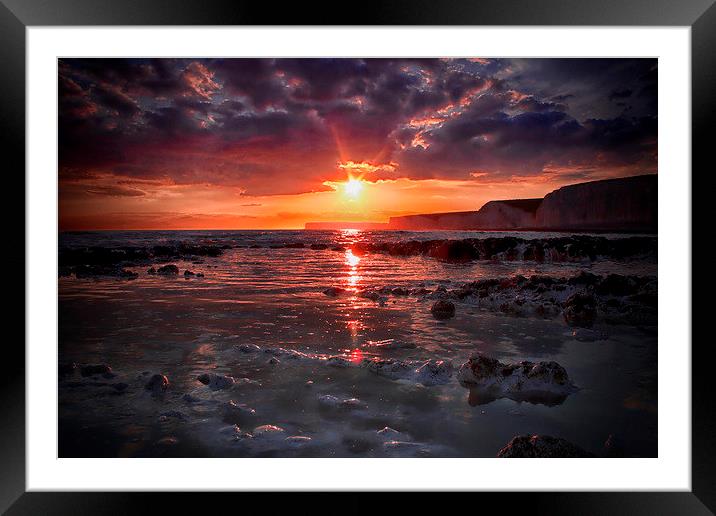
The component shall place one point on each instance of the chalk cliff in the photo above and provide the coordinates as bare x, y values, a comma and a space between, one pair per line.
508, 214
626, 204
451, 220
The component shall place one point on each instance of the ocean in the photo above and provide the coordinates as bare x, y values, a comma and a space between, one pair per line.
306, 324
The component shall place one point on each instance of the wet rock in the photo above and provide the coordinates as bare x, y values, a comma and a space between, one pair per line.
334, 291
273, 361
333, 402
338, 362
298, 440
318, 247
580, 309
516, 380
98, 271
434, 372
216, 381
268, 432
199, 274
234, 433
453, 251
168, 270
584, 279
93, 369
404, 448
158, 383
524, 446
295, 245
400, 291
389, 434
188, 273
442, 310
388, 368
237, 413
372, 295
248, 348
393, 344
617, 285
575, 248
120, 386
328, 400
151, 271
353, 404
287, 354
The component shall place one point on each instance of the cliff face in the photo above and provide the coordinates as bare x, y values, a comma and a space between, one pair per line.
511, 214
627, 204
451, 220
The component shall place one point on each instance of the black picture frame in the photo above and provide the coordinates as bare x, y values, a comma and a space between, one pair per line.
17, 15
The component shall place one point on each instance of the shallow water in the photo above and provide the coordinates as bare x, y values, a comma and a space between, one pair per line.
273, 298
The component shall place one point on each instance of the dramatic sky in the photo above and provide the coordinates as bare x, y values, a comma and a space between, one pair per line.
271, 143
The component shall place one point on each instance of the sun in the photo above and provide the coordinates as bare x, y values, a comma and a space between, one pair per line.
352, 188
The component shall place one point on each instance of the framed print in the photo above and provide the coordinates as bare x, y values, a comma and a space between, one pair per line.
432, 249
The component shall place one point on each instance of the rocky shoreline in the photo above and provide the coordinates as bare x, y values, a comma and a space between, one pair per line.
180, 408
582, 300
242, 363
575, 248
87, 262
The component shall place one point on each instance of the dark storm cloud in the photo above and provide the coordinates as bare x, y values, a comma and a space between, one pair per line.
282, 125
115, 191
620, 94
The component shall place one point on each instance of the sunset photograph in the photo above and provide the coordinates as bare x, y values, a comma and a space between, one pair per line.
357, 257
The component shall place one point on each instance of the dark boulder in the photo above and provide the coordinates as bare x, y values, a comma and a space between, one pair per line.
443, 310
158, 383
113, 271
334, 291
168, 270
580, 309
584, 278
454, 251
617, 285
524, 446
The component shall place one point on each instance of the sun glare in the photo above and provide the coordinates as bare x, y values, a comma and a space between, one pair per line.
353, 187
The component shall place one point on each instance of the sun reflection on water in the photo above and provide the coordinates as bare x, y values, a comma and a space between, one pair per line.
352, 259
353, 277
356, 356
